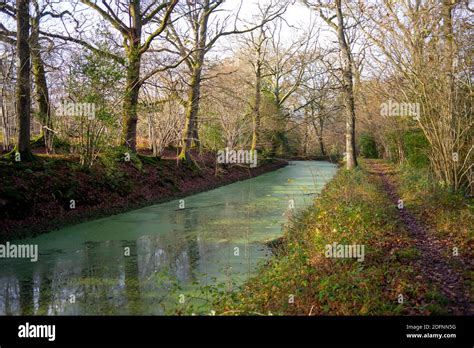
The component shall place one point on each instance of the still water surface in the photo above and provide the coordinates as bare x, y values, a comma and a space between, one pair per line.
160, 259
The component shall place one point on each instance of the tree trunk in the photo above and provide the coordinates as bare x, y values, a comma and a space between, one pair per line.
5, 127
23, 102
190, 126
348, 89
152, 134
320, 135
196, 140
132, 87
190, 131
42, 92
321, 146
304, 151
130, 102
256, 109
319, 131
453, 170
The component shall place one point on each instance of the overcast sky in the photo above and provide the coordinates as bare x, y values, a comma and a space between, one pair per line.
298, 18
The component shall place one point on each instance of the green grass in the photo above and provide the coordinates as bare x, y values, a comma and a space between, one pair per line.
450, 215
353, 209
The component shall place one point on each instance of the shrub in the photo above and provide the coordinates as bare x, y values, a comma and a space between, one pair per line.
416, 146
368, 147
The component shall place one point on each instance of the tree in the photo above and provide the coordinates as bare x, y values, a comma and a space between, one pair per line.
227, 103
7, 93
347, 73
285, 67
164, 111
318, 96
255, 49
192, 43
258, 44
428, 61
23, 102
134, 45
39, 76
92, 80
38, 69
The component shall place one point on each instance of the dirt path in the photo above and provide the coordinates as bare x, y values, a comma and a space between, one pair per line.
432, 264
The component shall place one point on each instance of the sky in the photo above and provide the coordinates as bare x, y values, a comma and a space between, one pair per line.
297, 16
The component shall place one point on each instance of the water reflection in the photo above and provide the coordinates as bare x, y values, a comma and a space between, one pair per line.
142, 262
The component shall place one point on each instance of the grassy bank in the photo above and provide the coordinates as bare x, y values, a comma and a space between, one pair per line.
449, 216
352, 209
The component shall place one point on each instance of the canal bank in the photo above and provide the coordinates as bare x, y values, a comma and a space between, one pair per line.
52, 193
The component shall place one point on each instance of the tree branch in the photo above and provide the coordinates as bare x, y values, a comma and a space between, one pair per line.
111, 18
161, 28
106, 54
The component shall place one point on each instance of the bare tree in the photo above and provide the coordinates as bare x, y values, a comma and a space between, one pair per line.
193, 41
7, 62
38, 67
227, 102
320, 100
255, 49
23, 101
411, 39
336, 13
155, 15
285, 66
164, 110
39, 76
